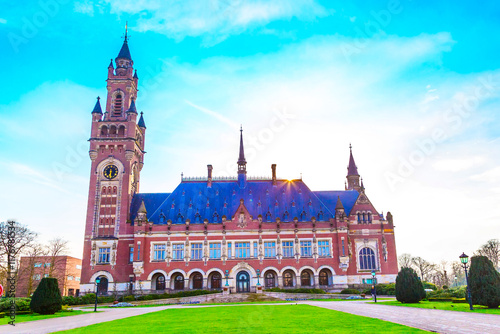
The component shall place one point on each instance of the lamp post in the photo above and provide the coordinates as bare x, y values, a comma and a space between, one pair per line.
374, 290
465, 259
227, 277
258, 277
97, 281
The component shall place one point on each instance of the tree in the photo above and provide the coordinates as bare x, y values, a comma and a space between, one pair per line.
484, 282
423, 266
23, 237
47, 297
405, 260
32, 253
491, 249
409, 289
55, 248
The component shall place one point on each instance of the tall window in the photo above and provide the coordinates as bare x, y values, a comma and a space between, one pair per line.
178, 252
287, 248
323, 277
216, 281
343, 248
118, 104
255, 250
196, 251
229, 250
270, 249
159, 252
287, 279
369, 217
104, 255
359, 218
270, 280
138, 252
324, 248
305, 278
131, 255
367, 259
215, 251
305, 249
242, 250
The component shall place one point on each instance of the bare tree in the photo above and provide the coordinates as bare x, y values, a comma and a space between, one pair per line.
458, 273
423, 266
491, 249
405, 261
54, 249
23, 237
32, 254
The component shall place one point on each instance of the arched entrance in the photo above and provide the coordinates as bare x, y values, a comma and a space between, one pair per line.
242, 282
102, 287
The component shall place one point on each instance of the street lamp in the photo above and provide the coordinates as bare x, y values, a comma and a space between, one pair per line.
258, 277
465, 259
374, 290
97, 281
227, 277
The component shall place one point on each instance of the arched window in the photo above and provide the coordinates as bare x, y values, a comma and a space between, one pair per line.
104, 131
320, 216
303, 216
197, 281
102, 287
364, 218
121, 130
270, 280
359, 218
367, 259
369, 217
159, 279
215, 282
287, 279
179, 282
323, 277
286, 216
117, 110
112, 130
305, 278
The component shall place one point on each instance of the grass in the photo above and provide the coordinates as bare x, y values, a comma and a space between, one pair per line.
248, 319
447, 306
36, 316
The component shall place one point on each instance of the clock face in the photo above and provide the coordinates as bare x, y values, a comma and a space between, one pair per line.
110, 172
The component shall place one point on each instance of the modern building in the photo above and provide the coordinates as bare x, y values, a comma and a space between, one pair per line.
66, 269
209, 232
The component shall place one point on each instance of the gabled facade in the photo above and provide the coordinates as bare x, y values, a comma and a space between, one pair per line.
209, 232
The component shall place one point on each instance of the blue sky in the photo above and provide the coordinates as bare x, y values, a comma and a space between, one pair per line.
413, 85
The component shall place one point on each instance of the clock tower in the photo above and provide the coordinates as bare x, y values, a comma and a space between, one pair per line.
117, 157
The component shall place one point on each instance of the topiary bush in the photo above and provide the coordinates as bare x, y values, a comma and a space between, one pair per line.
484, 282
350, 292
47, 297
409, 289
129, 298
22, 304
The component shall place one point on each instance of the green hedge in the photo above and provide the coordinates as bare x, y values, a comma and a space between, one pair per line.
458, 292
301, 290
382, 289
350, 292
22, 304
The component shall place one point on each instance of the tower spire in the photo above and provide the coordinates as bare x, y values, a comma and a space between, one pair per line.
241, 158
126, 30
242, 163
352, 173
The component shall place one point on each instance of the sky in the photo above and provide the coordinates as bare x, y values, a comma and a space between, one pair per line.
414, 86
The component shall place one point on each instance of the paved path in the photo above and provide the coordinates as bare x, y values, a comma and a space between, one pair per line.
431, 320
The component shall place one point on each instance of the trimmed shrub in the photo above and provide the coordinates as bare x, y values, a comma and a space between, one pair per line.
129, 298
350, 292
382, 289
301, 290
47, 297
22, 304
89, 298
409, 289
429, 285
484, 282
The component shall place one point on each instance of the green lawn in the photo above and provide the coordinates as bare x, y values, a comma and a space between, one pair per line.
461, 307
36, 316
247, 319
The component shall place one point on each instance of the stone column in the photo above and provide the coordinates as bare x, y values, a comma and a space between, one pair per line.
316, 281
280, 282
205, 283
186, 283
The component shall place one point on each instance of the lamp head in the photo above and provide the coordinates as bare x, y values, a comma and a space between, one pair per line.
464, 258
374, 273
97, 280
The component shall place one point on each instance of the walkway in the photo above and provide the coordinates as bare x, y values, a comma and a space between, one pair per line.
431, 320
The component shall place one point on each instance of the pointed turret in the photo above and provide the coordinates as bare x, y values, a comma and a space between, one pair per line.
339, 209
124, 62
141, 122
133, 109
142, 208
352, 173
124, 51
135, 75
242, 163
97, 107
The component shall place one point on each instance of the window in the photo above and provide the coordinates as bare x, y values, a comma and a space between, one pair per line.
215, 250
178, 253
305, 249
242, 250
104, 255
36, 277
270, 280
47, 264
45, 275
118, 104
270, 249
79, 266
196, 251
255, 250
323, 277
216, 281
343, 248
369, 217
197, 281
71, 292
367, 259
179, 281
367, 281
287, 279
287, 248
138, 252
229, 250
37, 265
77, 279
131, 255
359, 218
159, 252
324, 248
160, 282
70, 278
305, 278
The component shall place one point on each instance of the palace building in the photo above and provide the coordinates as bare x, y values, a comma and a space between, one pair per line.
208, 232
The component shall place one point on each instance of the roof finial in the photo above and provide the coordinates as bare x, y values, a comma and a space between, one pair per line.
350, 147
126, 30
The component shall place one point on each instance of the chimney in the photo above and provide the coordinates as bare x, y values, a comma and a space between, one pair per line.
209, 179
273, 168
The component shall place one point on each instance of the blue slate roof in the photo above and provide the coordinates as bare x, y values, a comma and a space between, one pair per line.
193, 200
124, 51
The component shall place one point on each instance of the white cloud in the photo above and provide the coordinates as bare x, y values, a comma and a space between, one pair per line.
3, 21
84, 7
457, 165
215, 20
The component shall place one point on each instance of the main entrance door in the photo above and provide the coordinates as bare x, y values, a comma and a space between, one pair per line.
243, 282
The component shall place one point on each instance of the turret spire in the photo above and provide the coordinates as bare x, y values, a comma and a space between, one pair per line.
141, 122
241, 159
352, 169
97, 107
242, 163
352, 173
